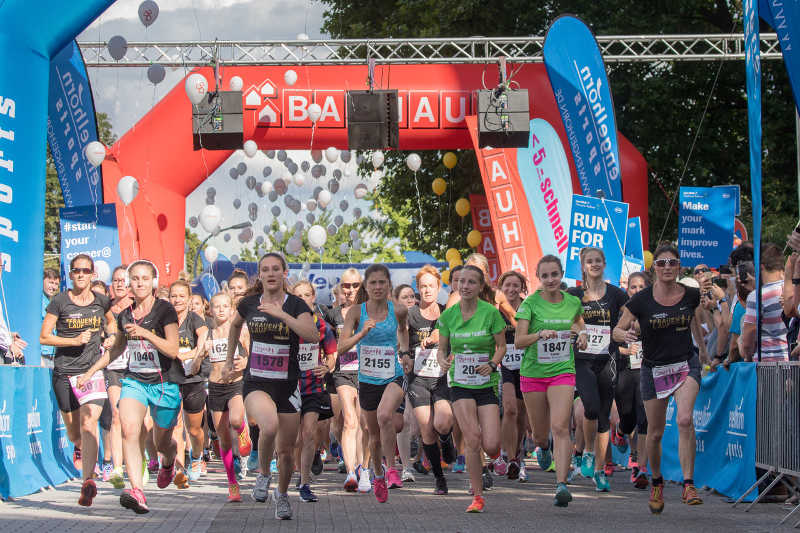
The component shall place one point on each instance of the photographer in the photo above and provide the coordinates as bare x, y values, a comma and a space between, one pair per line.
774, 346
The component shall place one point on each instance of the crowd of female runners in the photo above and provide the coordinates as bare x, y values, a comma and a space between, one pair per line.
478, 379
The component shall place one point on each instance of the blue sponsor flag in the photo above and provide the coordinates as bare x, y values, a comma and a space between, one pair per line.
784, 17
578, 78
71, 126
705, 226
735, 193
601, 224
90, 230
634, 245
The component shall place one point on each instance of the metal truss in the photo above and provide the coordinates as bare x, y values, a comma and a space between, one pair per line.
615, 49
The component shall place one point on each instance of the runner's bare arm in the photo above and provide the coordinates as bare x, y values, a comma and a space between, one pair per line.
523, 339
347, 338
233, 336
48, 338
443, 353
697, 333
168, 344
108, 355
620, 333
401, 314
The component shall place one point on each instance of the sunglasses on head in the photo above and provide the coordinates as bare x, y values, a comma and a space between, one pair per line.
78, 270
701, 270
661, 263
350, 285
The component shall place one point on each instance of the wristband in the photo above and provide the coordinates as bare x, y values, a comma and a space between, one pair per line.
795, 281
404, 353
493, 365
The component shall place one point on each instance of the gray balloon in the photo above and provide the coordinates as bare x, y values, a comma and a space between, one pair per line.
317, 190
357, 212
278, 236
316, 171
193, 222
211, 191
338, 220
246, 235
345, 155
333, 186
310, 218
280, 186
298, 226
234, 259
292, 166
270, 154
242, 168
304, 166
227, 237
344, 248
295, 207
276, 210
316, 156
148, 12
252, 211
259, 240
353, 234
258, 190
332, 229
251, 182
273, 195
156, 73
281, 155
117, 47
287, 200
343, 205
237, 203
267, 171
234, 173
356, 244
337, 174
210, 200
294, 245
359, 159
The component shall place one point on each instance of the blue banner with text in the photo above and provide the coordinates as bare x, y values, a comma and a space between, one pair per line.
90, 230
600, 224
705, 225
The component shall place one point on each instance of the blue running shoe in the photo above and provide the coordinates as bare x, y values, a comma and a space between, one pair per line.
252, 461
574, 468
237, 466
460, 465
544, 458
273, 467
587, 465
306, 495
563, 497
601, 482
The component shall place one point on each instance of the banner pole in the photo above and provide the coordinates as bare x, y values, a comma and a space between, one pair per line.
797, 141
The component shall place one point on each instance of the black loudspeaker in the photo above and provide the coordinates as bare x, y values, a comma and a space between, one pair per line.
503, 118
372, 120
217, 122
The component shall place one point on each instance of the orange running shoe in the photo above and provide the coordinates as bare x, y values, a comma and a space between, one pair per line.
233, 493
690, 497
245, 444
181, 480
656, 502
477, 505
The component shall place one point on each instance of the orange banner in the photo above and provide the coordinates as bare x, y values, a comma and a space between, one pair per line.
482, 221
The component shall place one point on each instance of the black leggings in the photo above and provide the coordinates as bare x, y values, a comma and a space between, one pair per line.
595, 380
629, 403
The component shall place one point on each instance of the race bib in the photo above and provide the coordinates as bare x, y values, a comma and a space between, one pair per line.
669, 378
425, 363
308, 356
219, 351
94, 389
269, 361
378, 362
636, 355
121, 362
513, 358
599, 339
143, 357
348, 362
467, 364
555, 350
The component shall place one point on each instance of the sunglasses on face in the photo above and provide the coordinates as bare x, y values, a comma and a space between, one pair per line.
350, 285
701, 271
661, 263
82, 270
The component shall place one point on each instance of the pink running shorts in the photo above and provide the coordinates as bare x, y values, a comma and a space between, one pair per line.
542, 384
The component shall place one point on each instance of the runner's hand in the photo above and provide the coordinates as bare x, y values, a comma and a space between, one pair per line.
83, 337
408, 364
583, 341
320, 371
239, 364
272, 309
631, 336
547, 334
484, 370
135, 330
445, 363
109, 342
83, 379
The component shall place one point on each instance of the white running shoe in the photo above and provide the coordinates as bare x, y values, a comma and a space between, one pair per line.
364, 483
408, 476
523, 474
261, 489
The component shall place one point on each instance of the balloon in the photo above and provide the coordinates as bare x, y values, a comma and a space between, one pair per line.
196, 87
294, 245
314, 112
310, 218
648, 259
324, 198
267, 171
377, 159
210, 200
353, 235
302, 37
317, 236
413, 162
474, 238
344, 248
193, 222
344, 155
332, 154
333, 186
211, 254
102, 271
360, 191
236, 83
343, 205
127, 189
332, 230
210, 217
337, 174
266, 187
446, 277
250, 148
357, 212
439, 186
356, 245
252, 211
449, 160
462, 207
148, 12
237, 203
233, 173
251, 182
227, 237
95, 152
280, 186
275, 210
455, 263
282, 228
117, 47
211, 191
338, 220
241, 168
281, 155
299, 180
273, 195
290, 77
452, 254
156, 73
234, 259
311, 204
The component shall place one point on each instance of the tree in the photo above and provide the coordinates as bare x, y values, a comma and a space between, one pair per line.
658, 107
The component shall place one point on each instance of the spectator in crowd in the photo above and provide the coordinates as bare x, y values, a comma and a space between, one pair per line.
774, 345
740, 284
50, 287
11, 345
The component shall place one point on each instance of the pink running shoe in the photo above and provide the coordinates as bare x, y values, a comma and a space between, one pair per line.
134, 500
380, 490
165, 476
500, 466
393, 479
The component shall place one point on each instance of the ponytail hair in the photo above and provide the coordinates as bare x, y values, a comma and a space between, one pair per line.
361, 295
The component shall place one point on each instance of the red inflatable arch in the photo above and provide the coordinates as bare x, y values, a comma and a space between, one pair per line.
433, 100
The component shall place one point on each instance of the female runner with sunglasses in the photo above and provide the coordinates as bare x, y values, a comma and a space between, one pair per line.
668, 317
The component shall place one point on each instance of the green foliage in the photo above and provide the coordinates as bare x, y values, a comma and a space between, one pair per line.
192, 243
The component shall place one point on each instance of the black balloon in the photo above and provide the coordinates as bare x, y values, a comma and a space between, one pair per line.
270, 153
237, 203
316, 171
292, 166
344, 155
343, 205
251, 182
333, 186
317, 190
276, 210
273, 195
233, 173
209, 200
332, 230
252, 211
211, 191
267, 171
227, 237
338, 220
280, 186
242, 168
304, 166
310, 218
259, 192
357, 212
281, 155
337, 174
316, 155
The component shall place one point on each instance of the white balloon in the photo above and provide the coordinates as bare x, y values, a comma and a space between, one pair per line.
117, 46
211, 253
332, 154
282, 228
377, 159
196, 87
299, 179
250, 148
96, 153
376, 175
148, 12
102, 271
324, 197
127, 189
360, 191
236, 83
302, 36
210, 217
317, 235
266, 187
311, 204
156, 73
290, 77
414, 162
314, 112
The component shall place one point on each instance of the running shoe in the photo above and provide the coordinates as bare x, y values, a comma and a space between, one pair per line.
563, 497
552, 467
351, 483
619, 441
460, 465
234, 495
341, 467
632, 462
203, 466
513, 470
273, 466
323, 455
134, 500
196, 469
544, 458
252, 461
641, 481
107, 469
181, 480
317, 465
283, 509
97, 472
420, 467
393, 479
690, 497
306, 495
261, 488
215, 447
116, 479
145, 473
152, 466
500, 466
487, 479
206, 455
477, 505
587, 464
601, 482
523, 473
634, 471
441, 486
379, 487
237, 466
449, 453
656, 502
426, 463
77, 462
88, 492
165, 476
407, 476
609, 469
574, 468
245, 444
364, 484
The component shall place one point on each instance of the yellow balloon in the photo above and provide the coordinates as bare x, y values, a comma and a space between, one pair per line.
474, 238
449, 160
462, 207
452, 254
439, 186
648, 259
456, 262
446, 277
